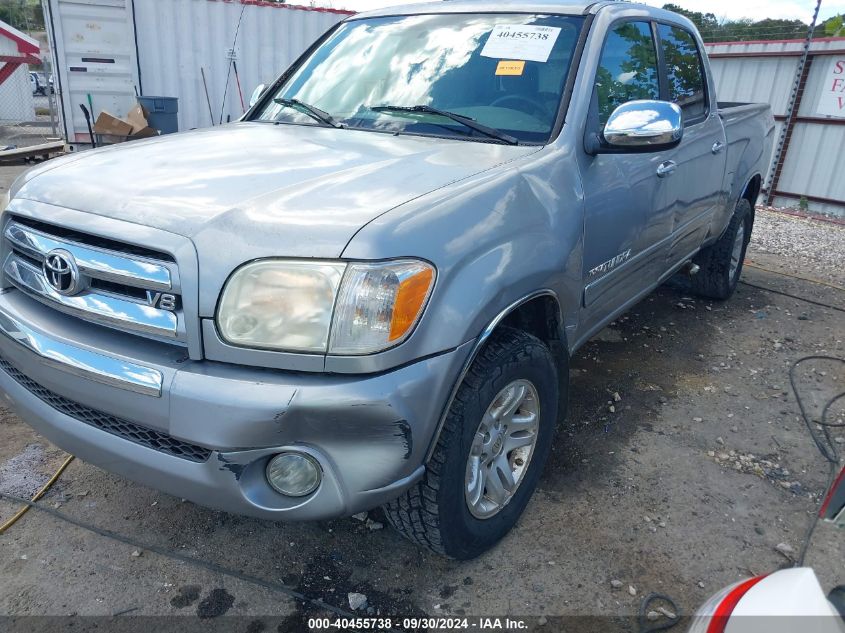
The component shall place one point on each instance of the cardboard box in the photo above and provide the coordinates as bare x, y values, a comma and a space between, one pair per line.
137, 118
140, 126
109, 124
111, 129
145, 133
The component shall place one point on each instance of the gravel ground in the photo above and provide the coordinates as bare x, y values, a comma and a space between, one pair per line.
683, 466
800, 246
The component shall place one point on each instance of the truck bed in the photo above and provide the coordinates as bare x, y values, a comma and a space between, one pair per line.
750, 132
729, 107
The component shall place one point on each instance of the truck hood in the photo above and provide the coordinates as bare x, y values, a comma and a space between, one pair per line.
258, 189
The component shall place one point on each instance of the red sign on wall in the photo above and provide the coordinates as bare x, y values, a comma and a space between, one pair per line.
832, 101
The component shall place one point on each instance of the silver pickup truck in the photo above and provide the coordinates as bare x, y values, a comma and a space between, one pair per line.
365, 293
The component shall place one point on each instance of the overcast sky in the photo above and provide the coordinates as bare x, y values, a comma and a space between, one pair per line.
756, 9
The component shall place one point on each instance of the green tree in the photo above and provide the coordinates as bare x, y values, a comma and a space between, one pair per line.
703, 21
714, 30
835, 26
24, 15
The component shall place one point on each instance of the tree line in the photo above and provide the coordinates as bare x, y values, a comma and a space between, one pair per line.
24, 15
714, 29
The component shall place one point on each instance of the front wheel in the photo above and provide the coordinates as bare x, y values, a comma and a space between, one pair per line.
721, 263
490, 453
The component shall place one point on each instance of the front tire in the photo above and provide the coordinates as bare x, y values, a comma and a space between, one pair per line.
501, 419
721, 263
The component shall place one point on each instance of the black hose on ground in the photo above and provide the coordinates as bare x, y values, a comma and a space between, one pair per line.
822, 439
650, 626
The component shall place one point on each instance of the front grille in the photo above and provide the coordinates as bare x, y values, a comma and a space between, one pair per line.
122, 286
109, 423
92, 240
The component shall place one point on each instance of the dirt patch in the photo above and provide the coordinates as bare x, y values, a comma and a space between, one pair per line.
186, 596
215, 604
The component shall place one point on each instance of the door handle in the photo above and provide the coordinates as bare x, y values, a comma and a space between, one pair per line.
718, 146
666, 169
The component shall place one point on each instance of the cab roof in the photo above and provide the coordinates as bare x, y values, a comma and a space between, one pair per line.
502, 6
530, 6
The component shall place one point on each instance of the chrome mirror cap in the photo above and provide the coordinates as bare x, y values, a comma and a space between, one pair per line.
256, 94
645, 125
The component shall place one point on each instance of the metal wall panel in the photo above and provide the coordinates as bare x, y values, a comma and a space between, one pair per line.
177, 38
774, 47
762, 79
815, 165
766, 71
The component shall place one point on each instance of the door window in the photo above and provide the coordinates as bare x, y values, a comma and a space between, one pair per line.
628, 68
684, 69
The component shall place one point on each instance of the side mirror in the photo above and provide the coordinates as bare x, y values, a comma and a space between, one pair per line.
256, 94
641, 126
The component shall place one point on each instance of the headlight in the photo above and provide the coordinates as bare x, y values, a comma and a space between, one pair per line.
280, 304
288, 305
379, 304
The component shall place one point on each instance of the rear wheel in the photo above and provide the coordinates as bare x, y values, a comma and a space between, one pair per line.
490, 453
721, 263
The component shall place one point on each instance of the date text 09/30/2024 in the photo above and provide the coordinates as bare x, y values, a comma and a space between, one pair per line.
417, 623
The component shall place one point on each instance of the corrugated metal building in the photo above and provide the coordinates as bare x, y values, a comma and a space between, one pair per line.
16, 51
813, 163
178, 37
107, 50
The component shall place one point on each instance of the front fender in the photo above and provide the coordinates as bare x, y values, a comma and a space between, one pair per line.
494, 240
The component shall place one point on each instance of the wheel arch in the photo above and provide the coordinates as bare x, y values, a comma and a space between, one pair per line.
539, 314
752, 191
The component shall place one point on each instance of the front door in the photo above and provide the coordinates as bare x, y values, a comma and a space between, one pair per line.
627, 212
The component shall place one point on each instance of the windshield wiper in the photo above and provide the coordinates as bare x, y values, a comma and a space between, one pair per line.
464, 120
312, 111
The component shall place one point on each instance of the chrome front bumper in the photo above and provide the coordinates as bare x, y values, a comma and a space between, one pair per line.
80, 362
370, 433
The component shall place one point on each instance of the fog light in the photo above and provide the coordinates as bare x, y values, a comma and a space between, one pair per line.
294, 474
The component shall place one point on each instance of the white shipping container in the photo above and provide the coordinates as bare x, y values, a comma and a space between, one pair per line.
107, 51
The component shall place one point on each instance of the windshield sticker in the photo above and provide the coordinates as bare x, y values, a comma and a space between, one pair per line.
510, 67
518, 41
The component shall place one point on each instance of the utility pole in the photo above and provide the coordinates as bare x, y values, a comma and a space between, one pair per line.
791, 111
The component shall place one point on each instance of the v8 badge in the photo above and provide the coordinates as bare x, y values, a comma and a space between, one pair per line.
162, 300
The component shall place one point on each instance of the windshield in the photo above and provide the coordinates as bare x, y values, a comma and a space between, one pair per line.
505, 72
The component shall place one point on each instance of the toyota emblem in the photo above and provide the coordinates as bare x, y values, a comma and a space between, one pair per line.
61, 272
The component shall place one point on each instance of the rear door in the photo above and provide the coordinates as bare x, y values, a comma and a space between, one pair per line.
695, 189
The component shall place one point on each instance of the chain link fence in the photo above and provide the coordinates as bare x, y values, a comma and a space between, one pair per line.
28, 109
